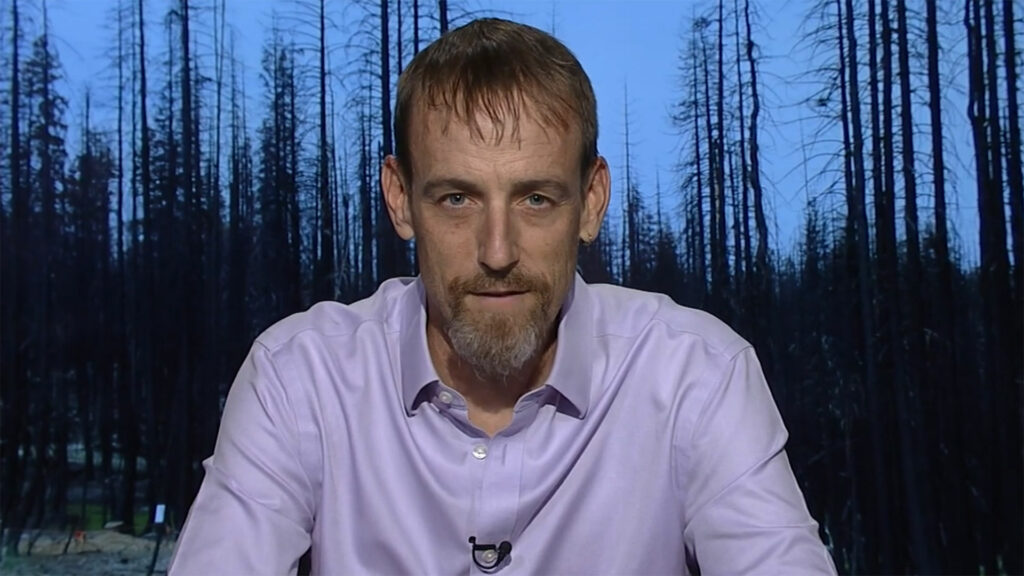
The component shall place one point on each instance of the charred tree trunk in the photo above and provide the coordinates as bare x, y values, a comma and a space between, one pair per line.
367, 274
702, 265
415, 27
1015, 188
390, 251
746, 255
142, 373
1014, 176
191, 333
14, 448
992, 276
1007, 397
715, 296
291, 161
944, 350
764, 286
892, 361
913, 427
723, 282
323, 277
859, 267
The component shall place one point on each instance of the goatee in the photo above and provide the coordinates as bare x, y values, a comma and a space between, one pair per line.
498, 345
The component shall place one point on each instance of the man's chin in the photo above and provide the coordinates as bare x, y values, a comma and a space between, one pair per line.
498, 368
497, 345
504, 329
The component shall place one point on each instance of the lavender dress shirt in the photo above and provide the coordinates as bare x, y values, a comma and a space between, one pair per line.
653, 448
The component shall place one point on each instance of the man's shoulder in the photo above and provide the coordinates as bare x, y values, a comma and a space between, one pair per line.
632, 313
332, 319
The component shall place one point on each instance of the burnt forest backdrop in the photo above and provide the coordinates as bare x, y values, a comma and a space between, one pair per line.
143, 252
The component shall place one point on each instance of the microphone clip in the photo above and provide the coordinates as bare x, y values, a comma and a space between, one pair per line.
489, 557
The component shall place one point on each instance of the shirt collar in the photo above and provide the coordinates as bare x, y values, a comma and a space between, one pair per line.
570, 375
416, 367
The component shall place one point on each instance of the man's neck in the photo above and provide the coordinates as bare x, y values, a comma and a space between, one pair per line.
489, 401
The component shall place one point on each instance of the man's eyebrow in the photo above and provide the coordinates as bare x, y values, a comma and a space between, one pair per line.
549, 185
432, 187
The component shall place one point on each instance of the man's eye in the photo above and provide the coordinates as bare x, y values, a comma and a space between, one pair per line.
536, 200
455, 199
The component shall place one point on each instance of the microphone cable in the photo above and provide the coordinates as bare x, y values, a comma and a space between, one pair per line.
491, 556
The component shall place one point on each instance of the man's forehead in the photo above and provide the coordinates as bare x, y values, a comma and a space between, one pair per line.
491, 120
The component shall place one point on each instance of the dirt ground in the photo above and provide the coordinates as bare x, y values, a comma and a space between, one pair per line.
98, 552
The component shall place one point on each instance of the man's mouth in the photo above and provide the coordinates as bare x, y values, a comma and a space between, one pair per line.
499, 293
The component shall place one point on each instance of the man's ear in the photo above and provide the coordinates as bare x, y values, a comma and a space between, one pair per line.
396, 196
596, 195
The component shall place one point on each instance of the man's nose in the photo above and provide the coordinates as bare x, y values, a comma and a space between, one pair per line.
499, 242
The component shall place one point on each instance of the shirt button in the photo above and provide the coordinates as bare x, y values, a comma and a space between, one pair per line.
480, 452
489, 556
445, 397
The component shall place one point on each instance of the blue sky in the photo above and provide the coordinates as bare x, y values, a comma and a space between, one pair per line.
623, 46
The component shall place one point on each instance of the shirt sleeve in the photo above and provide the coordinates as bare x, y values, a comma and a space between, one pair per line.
254, 510
745, 512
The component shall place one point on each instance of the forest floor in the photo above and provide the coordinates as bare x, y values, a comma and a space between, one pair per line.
88, 549
89, 553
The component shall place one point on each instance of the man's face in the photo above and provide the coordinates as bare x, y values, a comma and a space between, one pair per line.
497, 225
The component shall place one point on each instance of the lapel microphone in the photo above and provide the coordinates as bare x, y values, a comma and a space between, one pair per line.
488, 557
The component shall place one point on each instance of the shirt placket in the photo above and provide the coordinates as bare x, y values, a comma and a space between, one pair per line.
496, 498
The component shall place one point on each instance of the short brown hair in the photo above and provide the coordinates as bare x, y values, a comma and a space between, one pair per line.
496, 66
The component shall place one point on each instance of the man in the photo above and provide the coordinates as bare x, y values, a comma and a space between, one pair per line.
497, 413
